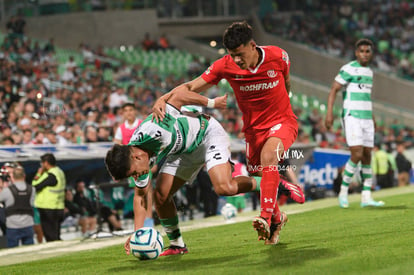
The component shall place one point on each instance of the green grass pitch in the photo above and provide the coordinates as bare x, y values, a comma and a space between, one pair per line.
327, 240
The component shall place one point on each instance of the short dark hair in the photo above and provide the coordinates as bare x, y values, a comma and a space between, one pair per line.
49, 158
364, 42
128, 104
118, 161
237, 34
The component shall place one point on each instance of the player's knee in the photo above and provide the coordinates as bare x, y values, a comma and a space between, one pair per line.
160, 199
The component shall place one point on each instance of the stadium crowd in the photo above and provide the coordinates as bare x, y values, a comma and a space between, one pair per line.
334, 26
39, 105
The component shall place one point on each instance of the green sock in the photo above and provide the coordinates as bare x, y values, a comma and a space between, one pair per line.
258, 180
366, 174
171, 228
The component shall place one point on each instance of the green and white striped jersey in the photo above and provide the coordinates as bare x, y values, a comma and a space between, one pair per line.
178, 133
357, 95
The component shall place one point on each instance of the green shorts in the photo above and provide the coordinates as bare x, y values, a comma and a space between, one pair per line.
238, 201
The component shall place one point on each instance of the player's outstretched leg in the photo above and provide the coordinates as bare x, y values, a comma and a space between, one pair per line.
275, 229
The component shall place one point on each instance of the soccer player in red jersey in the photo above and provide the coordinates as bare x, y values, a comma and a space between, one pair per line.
259, 77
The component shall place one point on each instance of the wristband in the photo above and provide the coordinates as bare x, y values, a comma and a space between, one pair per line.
210, 103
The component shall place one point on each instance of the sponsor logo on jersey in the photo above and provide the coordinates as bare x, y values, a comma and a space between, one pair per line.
178, 142
276, 127
259, 86
271, 73
209, 69
363, 86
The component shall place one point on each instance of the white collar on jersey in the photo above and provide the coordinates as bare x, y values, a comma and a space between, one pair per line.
260, 63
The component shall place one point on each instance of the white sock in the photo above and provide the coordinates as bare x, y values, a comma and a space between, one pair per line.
366, 195
178, 242
344, 191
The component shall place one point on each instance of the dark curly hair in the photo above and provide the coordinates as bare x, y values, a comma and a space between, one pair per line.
365, 42
237, 34
118, 161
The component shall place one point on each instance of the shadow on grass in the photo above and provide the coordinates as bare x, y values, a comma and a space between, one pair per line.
275, 256
280, 255
176, 263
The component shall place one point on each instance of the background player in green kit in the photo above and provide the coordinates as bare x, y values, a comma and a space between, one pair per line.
356, 77
184, 142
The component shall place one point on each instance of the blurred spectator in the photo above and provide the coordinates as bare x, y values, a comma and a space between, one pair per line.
91, 134
74, 215
381, 168
148, 44
127, 128
50, 182
70, 70
62, 135
87, 206
404, 165
15, 27
18, 199
72, 211
208, 198
195, 68
118, 97
104, 134
50, 46
163, 42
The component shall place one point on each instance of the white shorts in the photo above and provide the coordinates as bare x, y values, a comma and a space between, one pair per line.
359, 131
213, 150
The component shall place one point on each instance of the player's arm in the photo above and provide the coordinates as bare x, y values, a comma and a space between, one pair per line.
336, 87
184, 94
139, 207
139, 212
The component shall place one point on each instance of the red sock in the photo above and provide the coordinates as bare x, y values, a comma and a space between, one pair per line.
268, 192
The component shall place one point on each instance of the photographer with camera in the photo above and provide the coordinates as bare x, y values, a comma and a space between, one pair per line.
18, 199
6, 173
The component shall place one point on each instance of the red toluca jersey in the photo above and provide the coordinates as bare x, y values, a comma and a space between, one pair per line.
260, 92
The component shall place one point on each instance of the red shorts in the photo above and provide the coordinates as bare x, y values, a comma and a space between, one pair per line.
287, 131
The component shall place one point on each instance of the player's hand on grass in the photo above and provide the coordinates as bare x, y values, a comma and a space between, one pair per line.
220, 102
126, 246
158, 110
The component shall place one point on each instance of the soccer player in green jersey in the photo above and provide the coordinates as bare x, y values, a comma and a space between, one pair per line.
183, 142
356, 76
